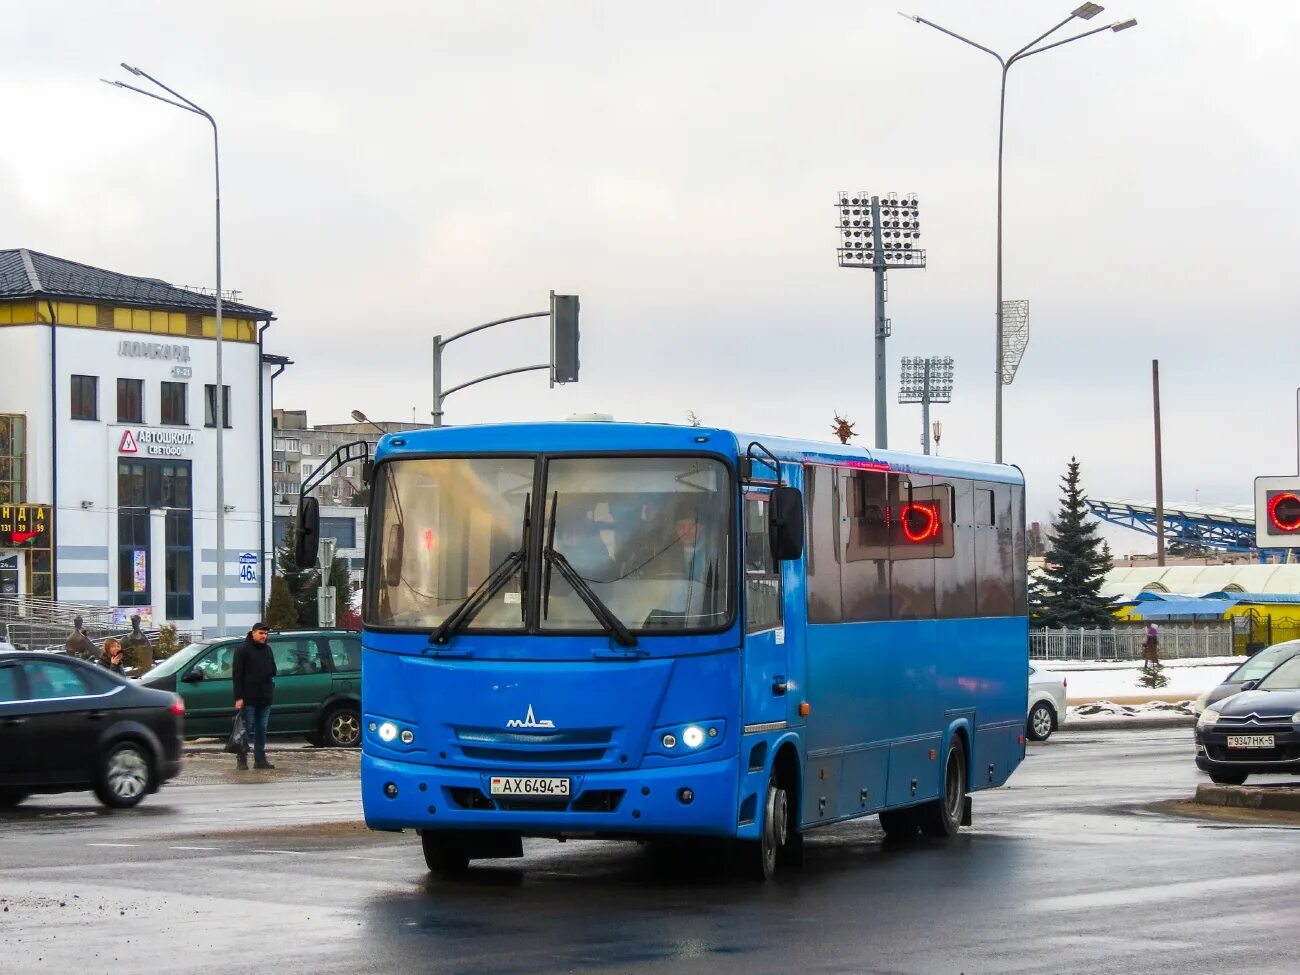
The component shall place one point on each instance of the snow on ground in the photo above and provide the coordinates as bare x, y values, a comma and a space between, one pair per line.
1100, 691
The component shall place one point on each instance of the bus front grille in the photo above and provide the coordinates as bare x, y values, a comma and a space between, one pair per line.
550, 756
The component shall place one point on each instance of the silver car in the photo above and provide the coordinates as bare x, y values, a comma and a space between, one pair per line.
1046, 703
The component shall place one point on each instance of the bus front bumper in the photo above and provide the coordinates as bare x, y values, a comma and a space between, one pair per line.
697, 799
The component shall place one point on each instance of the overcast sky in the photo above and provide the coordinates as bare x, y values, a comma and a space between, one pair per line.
393, 170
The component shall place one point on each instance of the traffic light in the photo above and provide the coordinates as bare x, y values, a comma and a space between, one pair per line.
564, 338
1277, 512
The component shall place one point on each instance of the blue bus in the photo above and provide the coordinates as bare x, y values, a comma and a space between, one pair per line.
644, 631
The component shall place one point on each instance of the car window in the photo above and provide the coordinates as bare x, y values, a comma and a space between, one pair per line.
176, 661
9, 683
1286, 677
216, 664
296, 655
1260, 664
48, 679
345, 652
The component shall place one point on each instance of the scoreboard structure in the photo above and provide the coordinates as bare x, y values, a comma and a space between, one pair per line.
1277, 512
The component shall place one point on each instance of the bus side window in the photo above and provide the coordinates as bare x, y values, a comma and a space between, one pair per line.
994, 555
762, 576
822, 549
954, 578
866, 520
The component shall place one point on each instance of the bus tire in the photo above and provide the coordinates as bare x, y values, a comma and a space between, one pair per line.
898, 824
443, 856
942, 817
758, 859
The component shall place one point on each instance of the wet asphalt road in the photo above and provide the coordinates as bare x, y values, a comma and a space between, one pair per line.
1065, 870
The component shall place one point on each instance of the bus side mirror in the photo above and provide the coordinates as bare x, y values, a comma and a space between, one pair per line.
785, 523
308, 533
393, 564
367, 470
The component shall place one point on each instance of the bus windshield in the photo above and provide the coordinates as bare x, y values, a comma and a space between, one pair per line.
646, 541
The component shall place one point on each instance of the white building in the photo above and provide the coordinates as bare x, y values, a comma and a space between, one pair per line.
108, 444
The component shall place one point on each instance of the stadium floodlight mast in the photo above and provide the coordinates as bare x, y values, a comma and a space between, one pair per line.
1085, 12
1015, 337
926, 380
880, 233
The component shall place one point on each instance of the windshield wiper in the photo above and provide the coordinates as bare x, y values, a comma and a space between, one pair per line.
604, 615
472, 605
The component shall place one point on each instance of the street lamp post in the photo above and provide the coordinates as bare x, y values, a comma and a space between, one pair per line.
362, 418
219, 411
1085, 12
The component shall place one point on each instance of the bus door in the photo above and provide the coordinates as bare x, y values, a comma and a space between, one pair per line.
766, 659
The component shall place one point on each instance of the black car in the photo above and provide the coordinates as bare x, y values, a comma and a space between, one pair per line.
1253, 669
1254, 732
68, 725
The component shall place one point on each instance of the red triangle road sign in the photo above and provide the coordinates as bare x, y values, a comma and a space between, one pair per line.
128, 444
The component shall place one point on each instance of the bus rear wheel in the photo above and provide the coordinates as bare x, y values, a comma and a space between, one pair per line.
943, 816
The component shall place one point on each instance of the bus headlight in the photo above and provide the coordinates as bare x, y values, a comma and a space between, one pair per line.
693, 736
687, 739
387, 731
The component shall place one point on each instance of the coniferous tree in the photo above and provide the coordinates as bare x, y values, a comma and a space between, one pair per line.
1076, 566
302, 582
281, 613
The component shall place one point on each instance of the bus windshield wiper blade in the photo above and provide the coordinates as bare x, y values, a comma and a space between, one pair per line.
604, 615
472, 604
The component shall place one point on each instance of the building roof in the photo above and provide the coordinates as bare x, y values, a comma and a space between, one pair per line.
31, 274
1260, 582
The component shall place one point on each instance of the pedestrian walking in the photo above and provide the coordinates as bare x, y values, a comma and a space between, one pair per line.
112, 658
1151, 646
253, 674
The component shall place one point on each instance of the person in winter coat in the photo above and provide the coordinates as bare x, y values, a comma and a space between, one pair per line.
113, 656
253, 674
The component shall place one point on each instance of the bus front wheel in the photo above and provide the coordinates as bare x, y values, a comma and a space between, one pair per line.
444, 856
943, 816
759, 858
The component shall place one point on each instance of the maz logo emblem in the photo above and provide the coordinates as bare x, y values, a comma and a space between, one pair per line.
530, 721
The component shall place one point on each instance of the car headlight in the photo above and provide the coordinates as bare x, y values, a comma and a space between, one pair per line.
1208, 718
1295, 718
1202, 703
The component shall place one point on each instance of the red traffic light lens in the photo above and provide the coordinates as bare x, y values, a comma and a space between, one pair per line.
1284, 511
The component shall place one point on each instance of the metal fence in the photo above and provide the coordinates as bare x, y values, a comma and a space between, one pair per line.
1125, 642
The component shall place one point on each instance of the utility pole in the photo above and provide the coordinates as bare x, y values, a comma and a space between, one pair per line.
1160, 476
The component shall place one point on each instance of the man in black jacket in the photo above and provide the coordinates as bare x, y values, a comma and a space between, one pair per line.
253, 671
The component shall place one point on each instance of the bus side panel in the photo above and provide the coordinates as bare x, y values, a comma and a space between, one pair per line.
895, 684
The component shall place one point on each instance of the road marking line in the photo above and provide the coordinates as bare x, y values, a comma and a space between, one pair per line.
296, 853
194, 848
380, 859
121, 845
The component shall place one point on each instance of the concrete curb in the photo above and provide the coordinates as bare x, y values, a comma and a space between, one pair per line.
1113, 724
1284, 798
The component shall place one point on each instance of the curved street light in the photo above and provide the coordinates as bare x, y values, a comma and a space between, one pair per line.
219, 413
1086, 12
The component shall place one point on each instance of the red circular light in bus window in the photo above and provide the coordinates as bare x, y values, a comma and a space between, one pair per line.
920, 522
1284, 511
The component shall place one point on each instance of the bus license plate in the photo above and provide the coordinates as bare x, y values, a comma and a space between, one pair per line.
525, 786
1250, 741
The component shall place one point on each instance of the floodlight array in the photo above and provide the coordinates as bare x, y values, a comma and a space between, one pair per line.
915, 386
900, 231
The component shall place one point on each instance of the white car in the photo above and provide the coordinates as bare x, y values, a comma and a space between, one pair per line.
1046, 703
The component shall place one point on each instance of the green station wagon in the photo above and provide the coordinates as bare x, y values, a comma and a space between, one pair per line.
317, 685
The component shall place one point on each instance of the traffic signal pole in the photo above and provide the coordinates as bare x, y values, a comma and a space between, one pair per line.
563, 314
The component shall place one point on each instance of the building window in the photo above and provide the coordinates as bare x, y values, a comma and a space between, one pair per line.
277, 466
278, 445
13, 457
306, 448
292, 445
342, 530
173, 404
307, 470
85, 397
130, 401
210, 406
143, 485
